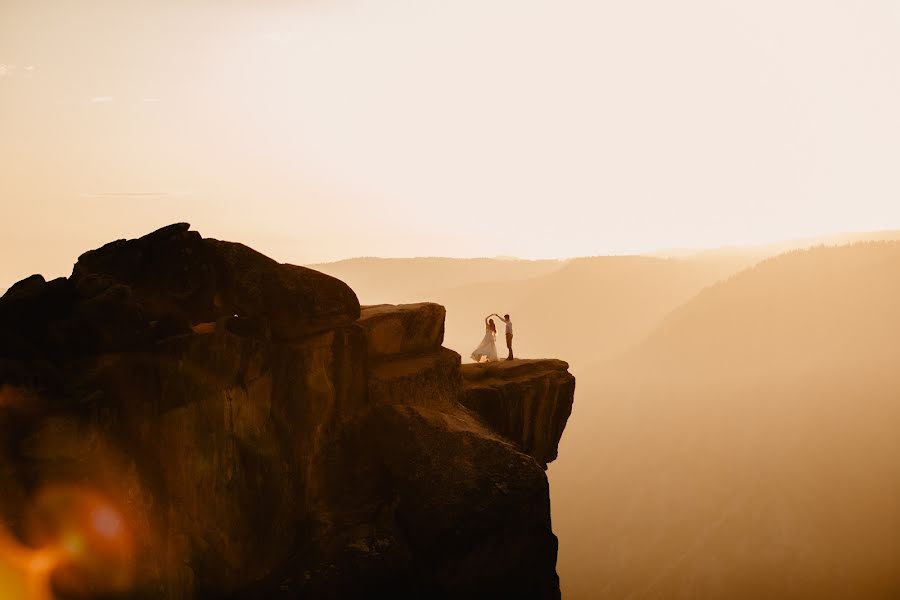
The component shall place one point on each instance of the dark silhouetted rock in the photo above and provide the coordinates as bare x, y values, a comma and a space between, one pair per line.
181, 276
263, 440
476, 514
295, 300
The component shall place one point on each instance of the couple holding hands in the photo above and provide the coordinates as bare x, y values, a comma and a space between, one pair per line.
487, 349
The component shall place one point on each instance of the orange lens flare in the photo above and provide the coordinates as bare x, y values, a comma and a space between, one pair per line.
106, 521
25, 572
83, 544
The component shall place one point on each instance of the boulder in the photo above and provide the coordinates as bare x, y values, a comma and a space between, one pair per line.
433, 378
179, 276
402, 329
407, 363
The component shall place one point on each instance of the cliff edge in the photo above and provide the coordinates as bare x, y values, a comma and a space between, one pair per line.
187, 418
525, 401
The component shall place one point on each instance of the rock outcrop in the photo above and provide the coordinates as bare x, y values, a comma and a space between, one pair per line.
393, 331
526, 401
263, 436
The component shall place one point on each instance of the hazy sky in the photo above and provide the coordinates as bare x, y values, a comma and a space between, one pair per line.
326, 129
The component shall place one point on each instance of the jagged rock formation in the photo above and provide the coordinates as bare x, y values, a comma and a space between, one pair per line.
264, 436
526, 401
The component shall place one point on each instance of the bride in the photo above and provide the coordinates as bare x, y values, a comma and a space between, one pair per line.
487, 349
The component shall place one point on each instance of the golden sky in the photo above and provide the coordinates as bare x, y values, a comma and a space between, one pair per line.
320, 130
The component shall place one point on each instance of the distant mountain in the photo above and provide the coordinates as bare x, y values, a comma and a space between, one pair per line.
582, 309
809, 309
748, 447
589, 308
406, 280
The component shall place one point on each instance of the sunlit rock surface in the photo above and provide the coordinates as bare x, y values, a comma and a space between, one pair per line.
259, 436
525, 401
393, 330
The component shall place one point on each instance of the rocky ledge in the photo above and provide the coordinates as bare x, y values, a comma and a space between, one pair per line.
259, 434
525, 401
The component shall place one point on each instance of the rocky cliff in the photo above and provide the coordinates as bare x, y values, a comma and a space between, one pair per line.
186, 418
525, 401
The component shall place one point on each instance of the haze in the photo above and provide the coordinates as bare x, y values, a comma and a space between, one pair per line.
321, 130
734, 431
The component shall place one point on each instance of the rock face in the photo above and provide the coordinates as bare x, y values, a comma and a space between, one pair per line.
406, 329
526, 401
265, 437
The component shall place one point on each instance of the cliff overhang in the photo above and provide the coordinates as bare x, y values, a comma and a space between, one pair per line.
526, 401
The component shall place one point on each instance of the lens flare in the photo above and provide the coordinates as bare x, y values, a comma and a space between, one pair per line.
79, 540
73, 545
25, 572
106, 521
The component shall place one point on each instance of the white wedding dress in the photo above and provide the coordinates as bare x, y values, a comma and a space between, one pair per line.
487, 349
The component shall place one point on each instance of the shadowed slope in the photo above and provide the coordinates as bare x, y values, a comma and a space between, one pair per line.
748, 448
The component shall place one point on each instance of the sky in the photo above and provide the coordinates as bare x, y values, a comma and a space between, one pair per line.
325, 129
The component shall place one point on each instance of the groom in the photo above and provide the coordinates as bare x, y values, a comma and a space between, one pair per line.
509, 333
